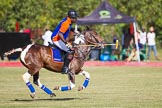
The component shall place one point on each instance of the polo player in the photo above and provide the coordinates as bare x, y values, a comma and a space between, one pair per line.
60, 35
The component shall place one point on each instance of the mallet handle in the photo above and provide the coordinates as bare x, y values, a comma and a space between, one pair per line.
116, 44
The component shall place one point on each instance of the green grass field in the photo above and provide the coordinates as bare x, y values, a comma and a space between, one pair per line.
110, 87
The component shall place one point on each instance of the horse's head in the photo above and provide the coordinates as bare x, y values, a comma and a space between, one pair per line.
85, 40
89, 37
93, 38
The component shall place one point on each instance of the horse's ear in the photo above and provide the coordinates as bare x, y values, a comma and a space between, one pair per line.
79, 42
88, 28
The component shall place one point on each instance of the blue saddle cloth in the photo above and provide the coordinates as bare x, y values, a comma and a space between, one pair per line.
56, 55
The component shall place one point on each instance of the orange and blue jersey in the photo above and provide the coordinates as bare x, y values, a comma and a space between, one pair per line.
64, 27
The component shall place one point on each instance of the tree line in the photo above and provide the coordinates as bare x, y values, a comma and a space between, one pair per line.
50, 12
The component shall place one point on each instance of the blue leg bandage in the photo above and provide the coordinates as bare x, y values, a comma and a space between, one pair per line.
30, 86
48, 91
65, 88
86, 82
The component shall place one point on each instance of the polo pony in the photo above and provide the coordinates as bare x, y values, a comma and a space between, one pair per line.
36, 56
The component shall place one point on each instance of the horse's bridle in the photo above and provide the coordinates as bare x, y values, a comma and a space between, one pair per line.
97, 42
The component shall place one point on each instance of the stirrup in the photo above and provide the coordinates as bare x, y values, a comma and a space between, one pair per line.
70, 51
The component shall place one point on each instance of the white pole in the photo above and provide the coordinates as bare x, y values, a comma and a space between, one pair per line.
136, 41
76, 28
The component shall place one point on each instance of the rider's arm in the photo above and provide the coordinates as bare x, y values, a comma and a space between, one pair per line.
62, 37
64, 27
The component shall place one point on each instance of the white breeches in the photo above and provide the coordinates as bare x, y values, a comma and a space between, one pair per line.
61, 45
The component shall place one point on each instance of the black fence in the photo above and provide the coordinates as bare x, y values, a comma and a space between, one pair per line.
8, 41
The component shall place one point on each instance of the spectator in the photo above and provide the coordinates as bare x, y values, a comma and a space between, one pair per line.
114, 38
47, 37
151, 43
133, 55
127, 38
28, 30
143, 36
123, 35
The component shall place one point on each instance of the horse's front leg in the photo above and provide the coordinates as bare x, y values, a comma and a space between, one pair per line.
71, 76
86, 81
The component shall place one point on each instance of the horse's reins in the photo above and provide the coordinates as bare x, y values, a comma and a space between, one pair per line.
94, 38
116, 44
97, 44
94, 44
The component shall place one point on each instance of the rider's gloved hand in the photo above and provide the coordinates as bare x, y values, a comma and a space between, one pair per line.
69, 45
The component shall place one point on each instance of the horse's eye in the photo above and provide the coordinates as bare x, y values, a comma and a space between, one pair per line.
94, 33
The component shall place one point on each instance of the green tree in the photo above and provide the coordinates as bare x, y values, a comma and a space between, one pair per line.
50, 12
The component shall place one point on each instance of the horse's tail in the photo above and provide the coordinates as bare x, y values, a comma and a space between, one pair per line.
12, 51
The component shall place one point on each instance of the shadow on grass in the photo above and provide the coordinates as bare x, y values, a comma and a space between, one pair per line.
49, 99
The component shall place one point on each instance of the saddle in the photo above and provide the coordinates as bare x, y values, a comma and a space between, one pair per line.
58, 54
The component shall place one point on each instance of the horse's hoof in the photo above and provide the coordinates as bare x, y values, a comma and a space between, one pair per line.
56, 88
32, 95
80, 88
52, 95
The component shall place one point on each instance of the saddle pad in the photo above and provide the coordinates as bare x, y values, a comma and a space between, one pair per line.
56, 55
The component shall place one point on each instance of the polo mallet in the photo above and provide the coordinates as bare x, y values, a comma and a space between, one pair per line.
116, 44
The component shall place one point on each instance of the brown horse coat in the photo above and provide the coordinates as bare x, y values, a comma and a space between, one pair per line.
35, 56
